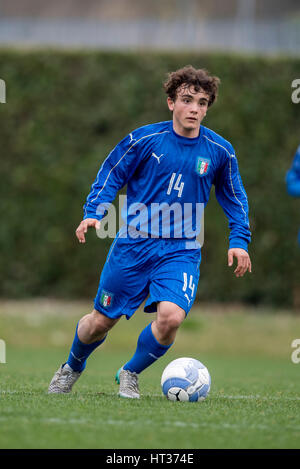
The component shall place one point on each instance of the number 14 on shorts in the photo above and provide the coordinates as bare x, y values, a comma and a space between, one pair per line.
188, 287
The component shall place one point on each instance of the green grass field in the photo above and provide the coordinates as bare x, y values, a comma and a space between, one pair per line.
254, 400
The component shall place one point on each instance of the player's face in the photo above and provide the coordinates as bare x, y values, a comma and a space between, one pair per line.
189, 109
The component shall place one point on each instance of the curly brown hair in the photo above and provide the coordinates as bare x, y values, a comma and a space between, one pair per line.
189, 76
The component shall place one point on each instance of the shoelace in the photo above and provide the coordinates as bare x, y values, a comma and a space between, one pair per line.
66, 378
131, 381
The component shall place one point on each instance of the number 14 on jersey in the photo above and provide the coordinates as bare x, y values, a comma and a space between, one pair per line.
177, 186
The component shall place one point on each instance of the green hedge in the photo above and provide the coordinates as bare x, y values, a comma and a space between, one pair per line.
64, 113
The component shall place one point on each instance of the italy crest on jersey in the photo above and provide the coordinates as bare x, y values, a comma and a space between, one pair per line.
202, 166
106, 298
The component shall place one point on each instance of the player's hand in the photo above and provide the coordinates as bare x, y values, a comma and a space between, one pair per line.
83, 227
243, 261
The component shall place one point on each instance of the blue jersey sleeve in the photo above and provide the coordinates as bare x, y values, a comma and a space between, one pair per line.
232, 197
293, 176
112, 176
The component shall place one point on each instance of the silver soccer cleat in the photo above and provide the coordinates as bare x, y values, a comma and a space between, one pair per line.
63, 380
129, 386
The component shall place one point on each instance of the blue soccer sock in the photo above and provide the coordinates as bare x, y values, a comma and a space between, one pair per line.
80, 352
147, 352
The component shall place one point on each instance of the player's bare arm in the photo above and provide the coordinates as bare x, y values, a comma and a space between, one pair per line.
243, 261
83, 227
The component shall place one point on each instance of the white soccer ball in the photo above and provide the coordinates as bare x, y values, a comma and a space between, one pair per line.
185, 379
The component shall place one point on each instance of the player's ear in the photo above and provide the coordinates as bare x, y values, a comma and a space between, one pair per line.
170, 103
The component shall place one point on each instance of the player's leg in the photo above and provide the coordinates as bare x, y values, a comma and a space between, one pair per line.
153, 342
168, 319
91, 331
121, 290
94, 327
157, 337
172, 293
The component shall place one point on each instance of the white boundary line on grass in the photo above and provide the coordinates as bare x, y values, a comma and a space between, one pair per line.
241, 396
169, 424
257, 396
220, 396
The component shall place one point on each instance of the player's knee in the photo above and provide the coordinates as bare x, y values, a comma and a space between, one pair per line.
100, 323
169, 318
174, 321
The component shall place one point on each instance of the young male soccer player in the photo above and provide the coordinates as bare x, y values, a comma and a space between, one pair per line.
168, 167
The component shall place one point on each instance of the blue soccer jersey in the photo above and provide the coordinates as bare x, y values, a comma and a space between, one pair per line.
293, 176
293, 179
169, 179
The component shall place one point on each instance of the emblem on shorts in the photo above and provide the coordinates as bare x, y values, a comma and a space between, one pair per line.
106, 298
202, 166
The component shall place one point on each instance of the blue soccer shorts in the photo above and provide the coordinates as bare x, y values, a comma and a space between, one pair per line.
164, 269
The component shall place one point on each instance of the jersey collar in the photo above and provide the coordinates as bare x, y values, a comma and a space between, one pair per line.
186, 140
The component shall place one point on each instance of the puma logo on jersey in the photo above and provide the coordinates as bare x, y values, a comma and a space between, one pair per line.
157, 157
189, 300
131, 139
